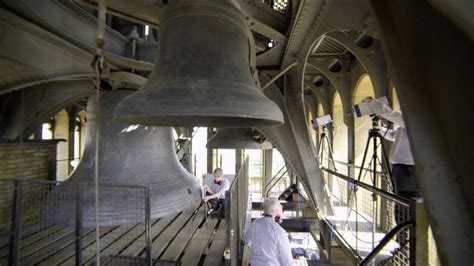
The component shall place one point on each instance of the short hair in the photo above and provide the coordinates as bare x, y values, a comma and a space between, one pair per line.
218, 170
269, 205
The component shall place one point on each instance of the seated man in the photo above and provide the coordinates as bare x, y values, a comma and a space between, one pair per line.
267, 239
215, 194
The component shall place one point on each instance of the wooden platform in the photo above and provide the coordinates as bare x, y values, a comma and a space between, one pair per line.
183, 239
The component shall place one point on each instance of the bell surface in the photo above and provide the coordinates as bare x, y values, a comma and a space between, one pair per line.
237, 138
129, 156
202, 73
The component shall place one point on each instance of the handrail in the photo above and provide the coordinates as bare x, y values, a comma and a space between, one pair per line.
403, 201
358, 167
275, 183
64, 160
236, 211
239, 173
389, 232
385, 240
279, 171
342, 241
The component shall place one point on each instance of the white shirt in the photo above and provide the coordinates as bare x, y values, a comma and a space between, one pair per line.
401, 152
222, 188
269, 243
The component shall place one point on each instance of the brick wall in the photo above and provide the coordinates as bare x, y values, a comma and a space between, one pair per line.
30, 160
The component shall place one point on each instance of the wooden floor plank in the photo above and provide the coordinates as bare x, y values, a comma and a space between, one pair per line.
122, 242
45, 241
41, 234
156, 229
70, 251
55, 245
161, 242
5, 239
198, 243
48, 250
216, 250
176, 247
32, 238
27, 230
88, 253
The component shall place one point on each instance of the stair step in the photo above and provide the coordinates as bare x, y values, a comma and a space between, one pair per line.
299, 224
288, 205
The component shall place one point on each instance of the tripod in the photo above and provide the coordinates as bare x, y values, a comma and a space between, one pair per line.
323, 142
376, 139
374, 135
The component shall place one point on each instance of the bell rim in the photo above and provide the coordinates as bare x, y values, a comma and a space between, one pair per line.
157, 106
204, 120
238, 145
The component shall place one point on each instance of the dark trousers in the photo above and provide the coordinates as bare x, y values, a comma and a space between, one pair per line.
404, 180
405, 185
217, 205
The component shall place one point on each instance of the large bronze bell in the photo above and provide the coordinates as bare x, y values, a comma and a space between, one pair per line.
129, 156
202, 75
238, 138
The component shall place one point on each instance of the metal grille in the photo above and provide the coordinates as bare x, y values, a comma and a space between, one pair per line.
363, 217
54, 223
279, 5
327, 45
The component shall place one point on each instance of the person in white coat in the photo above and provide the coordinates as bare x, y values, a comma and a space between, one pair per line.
268, 241
401, 158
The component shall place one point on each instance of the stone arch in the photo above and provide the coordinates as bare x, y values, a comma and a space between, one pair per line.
320, 110
371, 58
394, 98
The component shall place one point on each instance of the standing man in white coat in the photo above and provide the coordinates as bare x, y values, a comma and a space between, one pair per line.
401, 158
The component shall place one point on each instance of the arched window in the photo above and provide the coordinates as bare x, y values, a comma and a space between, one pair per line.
340, 130
48, 129
319, 110
82, 133
61, 131
77, 138
315, 133
309, 118
395, 100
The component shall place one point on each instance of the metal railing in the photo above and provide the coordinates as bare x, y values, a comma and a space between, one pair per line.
367, 212
353, 166
388, 237
51, 223
237, 209
276, 179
